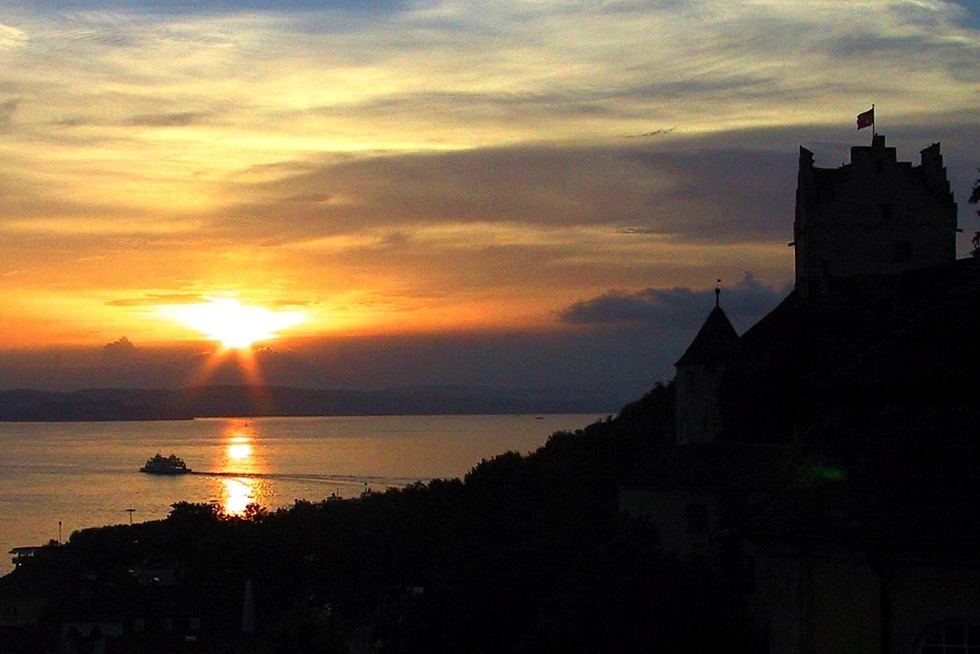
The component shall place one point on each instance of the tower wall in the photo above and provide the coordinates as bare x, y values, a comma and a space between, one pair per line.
699, 379
873, 216
698, 414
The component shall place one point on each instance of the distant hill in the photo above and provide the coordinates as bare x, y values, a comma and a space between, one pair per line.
255, 401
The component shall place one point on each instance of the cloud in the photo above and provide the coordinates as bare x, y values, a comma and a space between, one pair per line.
158, 300
7, 109
713, 194
452, 75
669, 309
94, 228
736, 187
11, 38
122, 351
657, 132
478, 159
178, 119
180, 7
458, 66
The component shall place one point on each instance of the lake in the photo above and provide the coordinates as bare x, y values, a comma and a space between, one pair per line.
56, 478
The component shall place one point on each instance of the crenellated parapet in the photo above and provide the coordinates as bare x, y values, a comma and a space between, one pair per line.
873, 216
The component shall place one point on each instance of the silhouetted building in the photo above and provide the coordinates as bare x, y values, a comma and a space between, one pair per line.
875, 248
827, 459
699, 373
873, 216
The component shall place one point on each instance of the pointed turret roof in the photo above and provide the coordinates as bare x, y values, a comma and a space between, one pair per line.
714, 341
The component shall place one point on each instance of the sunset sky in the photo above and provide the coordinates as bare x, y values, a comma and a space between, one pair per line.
445, 192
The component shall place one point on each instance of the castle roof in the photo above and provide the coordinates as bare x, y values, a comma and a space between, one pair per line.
875, 341
714, 341
929, 350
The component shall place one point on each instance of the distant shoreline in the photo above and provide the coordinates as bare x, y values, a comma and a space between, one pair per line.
110, 405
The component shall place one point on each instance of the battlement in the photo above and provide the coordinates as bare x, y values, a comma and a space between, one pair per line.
873, 216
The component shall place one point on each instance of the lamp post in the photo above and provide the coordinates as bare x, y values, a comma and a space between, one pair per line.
130, 512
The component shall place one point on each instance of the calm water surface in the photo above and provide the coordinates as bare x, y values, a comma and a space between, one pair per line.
86, 474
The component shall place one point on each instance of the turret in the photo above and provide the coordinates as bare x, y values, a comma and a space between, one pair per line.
699, 376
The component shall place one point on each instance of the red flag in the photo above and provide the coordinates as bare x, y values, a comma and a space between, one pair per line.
866, 119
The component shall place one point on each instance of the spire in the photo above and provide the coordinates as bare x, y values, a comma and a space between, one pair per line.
717, 293
715, 339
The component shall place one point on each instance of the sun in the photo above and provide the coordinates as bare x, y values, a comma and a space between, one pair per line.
235, 325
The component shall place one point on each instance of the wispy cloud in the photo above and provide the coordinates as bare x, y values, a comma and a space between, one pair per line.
152, 300
7, 110
11, 37
179, 7
503, 158
448, 73
177, 119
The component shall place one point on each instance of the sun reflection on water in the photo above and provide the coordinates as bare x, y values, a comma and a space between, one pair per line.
237, 492
239, 451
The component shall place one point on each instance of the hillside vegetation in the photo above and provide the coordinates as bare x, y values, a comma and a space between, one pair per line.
524, 554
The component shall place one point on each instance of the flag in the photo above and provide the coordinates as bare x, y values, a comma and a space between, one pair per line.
866, 119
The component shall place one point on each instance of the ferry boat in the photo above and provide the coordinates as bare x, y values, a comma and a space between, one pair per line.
165, 465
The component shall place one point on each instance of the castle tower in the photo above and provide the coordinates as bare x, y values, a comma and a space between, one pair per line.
873, 216
698, 380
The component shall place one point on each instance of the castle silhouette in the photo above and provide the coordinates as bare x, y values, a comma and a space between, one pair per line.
827, 459
881, 310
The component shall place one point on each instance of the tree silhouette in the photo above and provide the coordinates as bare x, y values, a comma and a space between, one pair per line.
974, 199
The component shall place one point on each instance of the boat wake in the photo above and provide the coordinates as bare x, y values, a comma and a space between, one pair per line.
353, 480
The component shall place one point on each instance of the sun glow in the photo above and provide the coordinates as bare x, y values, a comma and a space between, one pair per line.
235, 325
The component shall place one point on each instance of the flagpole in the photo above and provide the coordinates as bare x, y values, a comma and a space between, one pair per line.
874, 127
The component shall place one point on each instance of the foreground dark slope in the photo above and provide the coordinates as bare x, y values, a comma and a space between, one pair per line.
523, 554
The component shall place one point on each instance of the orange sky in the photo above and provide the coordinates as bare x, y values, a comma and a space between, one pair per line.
442, 167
